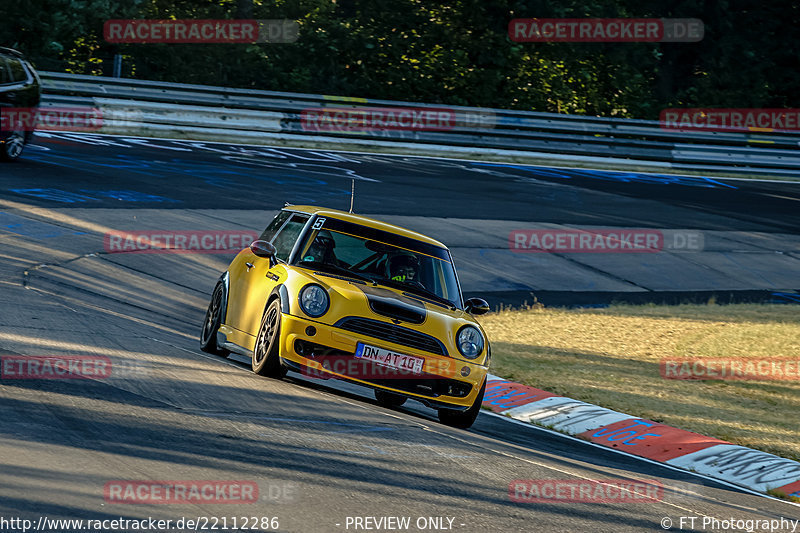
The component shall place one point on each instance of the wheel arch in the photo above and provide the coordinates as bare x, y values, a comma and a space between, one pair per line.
282, 293
225, 279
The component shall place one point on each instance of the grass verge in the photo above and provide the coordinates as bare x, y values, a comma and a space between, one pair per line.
610, 357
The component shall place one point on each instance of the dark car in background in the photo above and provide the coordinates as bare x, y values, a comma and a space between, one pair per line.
20, 93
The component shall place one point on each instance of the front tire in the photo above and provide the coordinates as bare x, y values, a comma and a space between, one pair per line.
463, 419
12, 147
266, 359
212, 322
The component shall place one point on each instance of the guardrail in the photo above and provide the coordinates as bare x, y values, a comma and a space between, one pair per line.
139, 107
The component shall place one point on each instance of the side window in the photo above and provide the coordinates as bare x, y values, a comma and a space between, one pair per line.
17, 70
285, 239
274, 226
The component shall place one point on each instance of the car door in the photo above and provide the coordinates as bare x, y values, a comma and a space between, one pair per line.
7, 95
253, 279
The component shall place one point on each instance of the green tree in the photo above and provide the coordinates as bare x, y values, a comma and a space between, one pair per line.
451, 52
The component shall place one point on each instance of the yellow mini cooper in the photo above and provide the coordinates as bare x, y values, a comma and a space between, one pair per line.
332, 294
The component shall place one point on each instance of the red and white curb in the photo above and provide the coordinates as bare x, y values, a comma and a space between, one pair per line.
752, 469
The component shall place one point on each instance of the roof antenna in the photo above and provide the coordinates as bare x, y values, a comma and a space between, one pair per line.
352, 193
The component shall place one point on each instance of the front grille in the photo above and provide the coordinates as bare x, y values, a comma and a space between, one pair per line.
392, 333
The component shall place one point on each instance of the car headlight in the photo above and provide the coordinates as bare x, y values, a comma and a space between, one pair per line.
314, 300
470, 342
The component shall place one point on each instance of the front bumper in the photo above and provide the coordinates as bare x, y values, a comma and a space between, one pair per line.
329, 352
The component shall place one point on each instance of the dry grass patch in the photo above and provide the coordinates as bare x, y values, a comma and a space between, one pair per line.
610, 357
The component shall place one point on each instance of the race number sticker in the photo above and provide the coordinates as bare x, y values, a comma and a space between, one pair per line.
318, 223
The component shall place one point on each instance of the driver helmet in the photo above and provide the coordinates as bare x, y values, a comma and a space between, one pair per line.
321, 248
403, 267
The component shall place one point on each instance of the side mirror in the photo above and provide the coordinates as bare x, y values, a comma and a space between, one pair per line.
476, 306
263, 249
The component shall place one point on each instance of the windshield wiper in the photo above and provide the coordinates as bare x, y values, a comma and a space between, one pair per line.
433, 296
414, 290
316, 265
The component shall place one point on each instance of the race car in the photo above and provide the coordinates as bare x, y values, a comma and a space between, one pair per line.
20, 91
332, 294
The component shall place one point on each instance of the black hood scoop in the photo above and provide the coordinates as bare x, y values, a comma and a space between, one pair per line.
395, 306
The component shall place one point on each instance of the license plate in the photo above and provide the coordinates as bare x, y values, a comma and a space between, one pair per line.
389, 358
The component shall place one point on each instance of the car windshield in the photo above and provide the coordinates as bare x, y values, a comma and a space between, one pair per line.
367, 254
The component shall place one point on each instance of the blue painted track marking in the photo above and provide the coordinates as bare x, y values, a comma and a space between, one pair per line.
55, 195
84, 195
128, 196
33, 228
610, 175
786, 297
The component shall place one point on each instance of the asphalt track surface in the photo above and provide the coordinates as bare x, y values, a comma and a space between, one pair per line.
319, 452
103, 171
